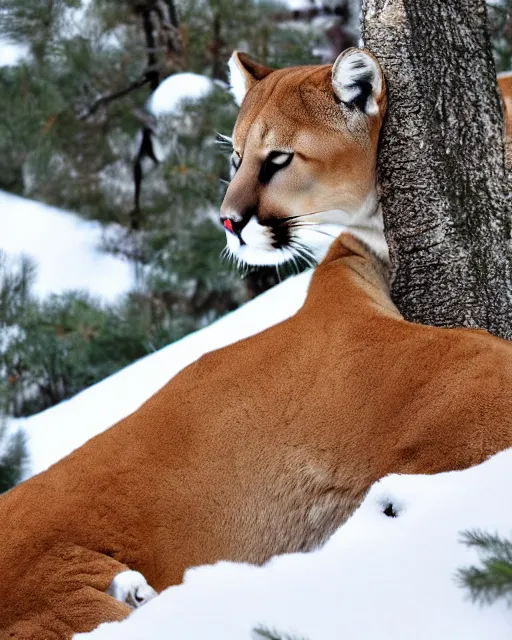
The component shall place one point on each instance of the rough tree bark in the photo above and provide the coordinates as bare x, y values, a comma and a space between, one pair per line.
445, 189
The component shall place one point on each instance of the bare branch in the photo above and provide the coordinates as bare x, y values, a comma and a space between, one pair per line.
106, 99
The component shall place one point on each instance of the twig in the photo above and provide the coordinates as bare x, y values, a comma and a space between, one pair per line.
106, 99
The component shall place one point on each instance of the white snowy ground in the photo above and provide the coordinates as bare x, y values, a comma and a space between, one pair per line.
64, 246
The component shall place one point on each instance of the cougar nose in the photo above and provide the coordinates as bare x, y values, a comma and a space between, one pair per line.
235, 226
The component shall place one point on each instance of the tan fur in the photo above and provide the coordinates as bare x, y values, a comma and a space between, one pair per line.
334, 164
268, 445
505, 85
334, 145
262, 447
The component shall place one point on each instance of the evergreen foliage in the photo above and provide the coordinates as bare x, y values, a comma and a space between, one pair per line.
500, 27
493, 579
73, 111
12, 457
69, 138
263, 633
55, 347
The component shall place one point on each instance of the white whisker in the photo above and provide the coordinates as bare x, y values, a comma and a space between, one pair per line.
313, 226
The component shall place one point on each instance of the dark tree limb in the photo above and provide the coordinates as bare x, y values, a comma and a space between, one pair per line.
445, 188
149, 27
102, 101
161, 32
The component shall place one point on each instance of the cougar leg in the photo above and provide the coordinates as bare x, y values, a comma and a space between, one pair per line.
70, 589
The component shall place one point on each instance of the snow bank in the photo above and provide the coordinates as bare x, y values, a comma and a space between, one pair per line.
378, 577
175, 89
55, 432
64, 246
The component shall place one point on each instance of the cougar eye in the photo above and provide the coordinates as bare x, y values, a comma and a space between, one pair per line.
275, 161
280, 158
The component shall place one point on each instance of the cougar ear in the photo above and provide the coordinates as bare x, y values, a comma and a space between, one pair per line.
357, 79
243, 74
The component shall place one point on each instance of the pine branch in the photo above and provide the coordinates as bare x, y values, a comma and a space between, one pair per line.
169, 25
264, 633
489, 543
159, 21
494, 579
12, 460
306, 15
159, 18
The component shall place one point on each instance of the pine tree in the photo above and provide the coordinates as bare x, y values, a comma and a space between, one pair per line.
492, 580
444, 181
55, 347
69, 136
73, 112
12, 458
500, 27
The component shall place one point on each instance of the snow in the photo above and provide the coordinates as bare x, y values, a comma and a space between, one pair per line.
377, 578
65, 248
297, 5
174, 90
59, 430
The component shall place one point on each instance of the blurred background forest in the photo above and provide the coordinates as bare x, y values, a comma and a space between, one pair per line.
111, 112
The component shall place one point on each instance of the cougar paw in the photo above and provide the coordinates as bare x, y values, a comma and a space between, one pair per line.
131, 588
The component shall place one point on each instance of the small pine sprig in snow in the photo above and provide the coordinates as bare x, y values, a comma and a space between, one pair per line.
264, 633
493, 579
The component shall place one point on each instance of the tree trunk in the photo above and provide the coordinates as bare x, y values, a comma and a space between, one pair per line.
445, 190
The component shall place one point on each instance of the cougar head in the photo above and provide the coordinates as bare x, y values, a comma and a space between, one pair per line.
304, 157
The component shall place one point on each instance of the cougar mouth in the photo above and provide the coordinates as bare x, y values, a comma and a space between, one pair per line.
278, 240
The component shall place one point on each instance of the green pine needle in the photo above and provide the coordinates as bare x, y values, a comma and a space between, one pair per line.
493, 579
12, 460
264, 633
